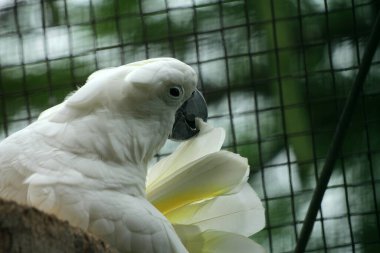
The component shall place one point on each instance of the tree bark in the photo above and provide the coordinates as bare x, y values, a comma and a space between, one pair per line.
25, 229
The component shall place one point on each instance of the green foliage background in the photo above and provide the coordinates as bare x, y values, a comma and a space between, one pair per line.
274, 73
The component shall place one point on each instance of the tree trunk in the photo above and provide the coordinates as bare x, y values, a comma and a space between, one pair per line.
26, 229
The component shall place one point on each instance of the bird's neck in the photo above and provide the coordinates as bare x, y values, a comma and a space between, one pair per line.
124, 147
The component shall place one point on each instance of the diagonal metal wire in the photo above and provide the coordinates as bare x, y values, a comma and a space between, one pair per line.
338, 138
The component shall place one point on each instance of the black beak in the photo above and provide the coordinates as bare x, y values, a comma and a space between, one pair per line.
184, 125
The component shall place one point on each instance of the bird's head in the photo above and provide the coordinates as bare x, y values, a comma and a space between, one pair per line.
168, 87
159, 89
132, 108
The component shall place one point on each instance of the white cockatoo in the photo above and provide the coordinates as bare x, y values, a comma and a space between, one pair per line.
85, 160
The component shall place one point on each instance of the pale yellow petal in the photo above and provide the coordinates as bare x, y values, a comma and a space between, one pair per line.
240, 213
208, 140
210, 176
212, 241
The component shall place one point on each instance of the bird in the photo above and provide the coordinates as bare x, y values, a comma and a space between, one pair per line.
85, 160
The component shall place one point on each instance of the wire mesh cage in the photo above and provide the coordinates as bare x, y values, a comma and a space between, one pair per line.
276, 75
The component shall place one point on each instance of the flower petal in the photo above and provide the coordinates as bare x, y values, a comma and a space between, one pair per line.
209, 140
240, 213
213, 241
210, 176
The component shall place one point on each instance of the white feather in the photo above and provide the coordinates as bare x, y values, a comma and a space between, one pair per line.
49, 112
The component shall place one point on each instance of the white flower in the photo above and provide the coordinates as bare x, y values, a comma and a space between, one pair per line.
204, 193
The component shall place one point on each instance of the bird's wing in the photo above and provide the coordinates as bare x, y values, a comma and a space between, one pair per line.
132, 224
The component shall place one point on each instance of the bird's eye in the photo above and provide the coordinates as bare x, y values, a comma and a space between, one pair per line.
175, 91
